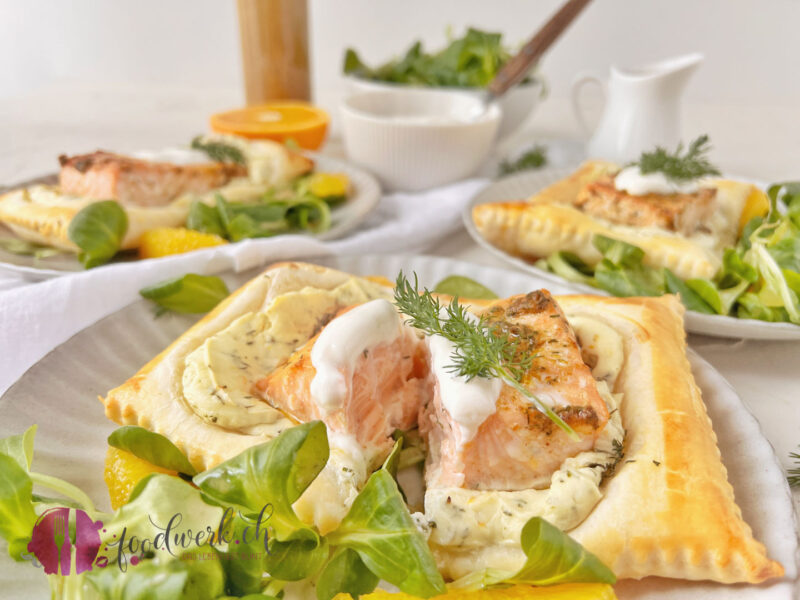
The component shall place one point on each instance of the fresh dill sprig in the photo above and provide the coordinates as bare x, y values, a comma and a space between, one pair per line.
219, 151
480, 349
678, 166
534, 158
794, 474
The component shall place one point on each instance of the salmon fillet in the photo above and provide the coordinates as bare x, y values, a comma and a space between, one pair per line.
385, 390
103, 175
518, 447
684, 213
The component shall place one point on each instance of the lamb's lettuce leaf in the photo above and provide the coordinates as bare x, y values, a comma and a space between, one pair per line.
20, 447
191, 293
380, 529
464, 287
151, 447
193, 576
345, 573
98, 230
690, 298
17, 516
551, 557
275, 473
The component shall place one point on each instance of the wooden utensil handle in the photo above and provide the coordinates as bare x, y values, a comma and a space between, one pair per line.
516, 68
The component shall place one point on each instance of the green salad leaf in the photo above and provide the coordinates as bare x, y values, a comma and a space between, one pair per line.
379, 528
151, 447
17, 516
20, 447
551, 557
794, 474
191, 293
190, 577
275, 473
469, 61
464, 287
690, 298
205, 218
244, 562
98, 230
345, 573
278, 212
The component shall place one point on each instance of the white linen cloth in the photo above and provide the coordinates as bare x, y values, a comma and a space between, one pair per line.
36, 317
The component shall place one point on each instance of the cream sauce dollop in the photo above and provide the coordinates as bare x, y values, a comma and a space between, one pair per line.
634, 182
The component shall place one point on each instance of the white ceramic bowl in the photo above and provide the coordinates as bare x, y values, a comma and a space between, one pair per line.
418, 139
516, 104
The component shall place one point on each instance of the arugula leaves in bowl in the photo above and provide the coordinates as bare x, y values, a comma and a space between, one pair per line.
470, 61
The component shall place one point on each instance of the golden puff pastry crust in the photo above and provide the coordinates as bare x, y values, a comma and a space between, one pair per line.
154, 397
669, 509
42, 214
535, 229
548, 222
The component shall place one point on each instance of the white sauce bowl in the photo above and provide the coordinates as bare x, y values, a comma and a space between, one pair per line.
415, 139
517, 104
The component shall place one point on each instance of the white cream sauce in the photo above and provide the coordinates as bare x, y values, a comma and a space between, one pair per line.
342, 342
174, 156
469, 402
634, 182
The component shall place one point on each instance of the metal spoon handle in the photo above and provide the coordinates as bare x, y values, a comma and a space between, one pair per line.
517, 67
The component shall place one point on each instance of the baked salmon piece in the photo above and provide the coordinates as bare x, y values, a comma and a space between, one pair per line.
365, 374
103, 175
484, 435
684, 213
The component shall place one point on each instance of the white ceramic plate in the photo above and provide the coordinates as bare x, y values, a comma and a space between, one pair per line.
60, 394
523, 185
344, 218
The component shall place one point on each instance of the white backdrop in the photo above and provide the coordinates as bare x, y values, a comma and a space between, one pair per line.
750, 45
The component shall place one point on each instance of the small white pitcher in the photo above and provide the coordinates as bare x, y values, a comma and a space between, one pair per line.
642, 108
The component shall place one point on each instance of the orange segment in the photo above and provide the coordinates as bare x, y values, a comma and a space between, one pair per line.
279, 121
567, 591
123, 471
756, 205
165, 241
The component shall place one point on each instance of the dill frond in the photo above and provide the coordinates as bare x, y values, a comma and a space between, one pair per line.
219, 151
794, 474
481, 349
678, 166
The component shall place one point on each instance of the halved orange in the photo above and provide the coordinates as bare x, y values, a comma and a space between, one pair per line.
280, 121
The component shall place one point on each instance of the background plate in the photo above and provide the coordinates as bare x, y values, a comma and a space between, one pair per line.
60, 394
523, 185
344, 218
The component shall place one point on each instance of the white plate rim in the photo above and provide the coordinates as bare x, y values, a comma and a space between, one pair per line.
712, 325
347, 216
759, 449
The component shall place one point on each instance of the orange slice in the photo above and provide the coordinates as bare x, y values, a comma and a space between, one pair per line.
123, 471
279, 121
165, 241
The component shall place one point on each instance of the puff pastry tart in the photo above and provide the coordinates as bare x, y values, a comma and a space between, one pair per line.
686, 233
153, 194
642, 485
